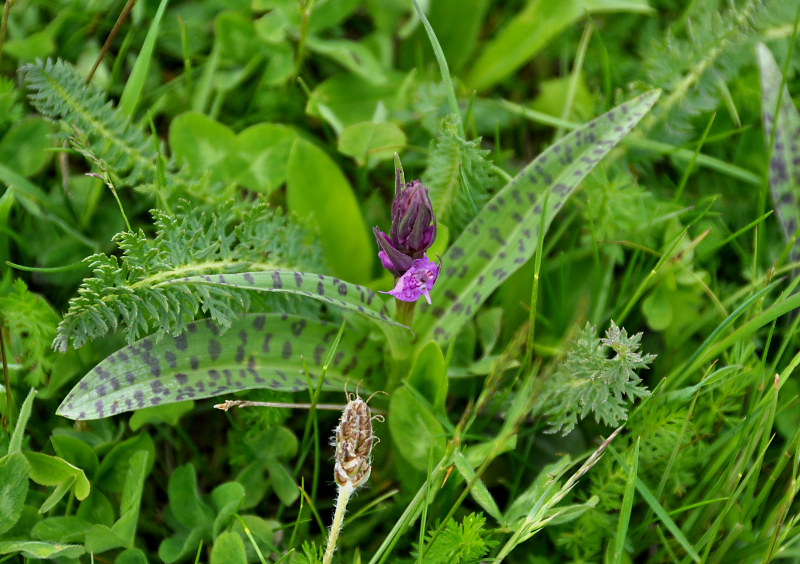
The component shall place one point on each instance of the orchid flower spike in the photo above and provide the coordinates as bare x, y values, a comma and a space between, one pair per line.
413, 227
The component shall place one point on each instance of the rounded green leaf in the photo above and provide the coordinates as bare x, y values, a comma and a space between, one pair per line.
657, 309
202, 143
414, 430
369, 142
263, 149
316, 189
228, 549
14, 470
24, 147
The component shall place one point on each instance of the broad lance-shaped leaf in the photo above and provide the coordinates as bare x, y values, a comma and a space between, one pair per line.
330, 290
504, 234
258, 351
784, 162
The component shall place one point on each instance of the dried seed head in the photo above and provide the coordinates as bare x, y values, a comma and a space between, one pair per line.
354, 439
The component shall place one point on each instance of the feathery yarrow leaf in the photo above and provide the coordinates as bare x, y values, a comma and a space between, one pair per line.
590, 382
125, 290
690, 66
458, 176
58, 91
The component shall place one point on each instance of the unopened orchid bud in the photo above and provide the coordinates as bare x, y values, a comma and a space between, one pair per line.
413, 223
413, 227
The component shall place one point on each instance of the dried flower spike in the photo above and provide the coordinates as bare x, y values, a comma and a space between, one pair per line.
354, 440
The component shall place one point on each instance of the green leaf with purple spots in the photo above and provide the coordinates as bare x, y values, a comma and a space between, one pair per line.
326, 289
784, 162
503, 236
258, 351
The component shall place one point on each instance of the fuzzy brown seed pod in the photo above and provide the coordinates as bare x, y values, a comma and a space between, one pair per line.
354, 440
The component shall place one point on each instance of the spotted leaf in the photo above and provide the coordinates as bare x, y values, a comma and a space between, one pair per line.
503, 236
258, 351
332, 291
784, 162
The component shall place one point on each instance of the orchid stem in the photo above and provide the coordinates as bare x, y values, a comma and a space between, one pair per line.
405, 311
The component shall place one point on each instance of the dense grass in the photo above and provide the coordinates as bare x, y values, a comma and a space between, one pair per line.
607, 368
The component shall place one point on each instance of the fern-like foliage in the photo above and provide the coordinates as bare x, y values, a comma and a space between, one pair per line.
126, 290
590, 382
459, 543
693, 63
31, 324
58, 91
459, 177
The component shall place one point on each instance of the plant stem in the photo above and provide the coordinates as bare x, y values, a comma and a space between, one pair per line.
338, 519
405, 311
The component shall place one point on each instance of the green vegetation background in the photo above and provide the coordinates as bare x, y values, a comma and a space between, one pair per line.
262, 134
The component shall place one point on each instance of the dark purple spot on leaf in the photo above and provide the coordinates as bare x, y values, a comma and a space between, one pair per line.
214, 349
298, 326
287, 350
171, 358
180, 342
277, 283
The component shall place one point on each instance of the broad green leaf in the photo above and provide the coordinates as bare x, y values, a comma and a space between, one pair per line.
228, 549
355, 57
331, 291
169, 414
61, 529
203, 144
784, 163
15, 443
41, 550
185, 502
14, 472
76, 452
121, 535
227, 499
131, 556
369, 142
258, 351
457, 36
52, 471
503, 236
345, 99
530, 30
263, 151
316, 189
25, 146
415, 430
429, 377
113, 472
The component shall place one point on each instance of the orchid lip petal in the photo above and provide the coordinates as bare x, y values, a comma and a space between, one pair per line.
417, 281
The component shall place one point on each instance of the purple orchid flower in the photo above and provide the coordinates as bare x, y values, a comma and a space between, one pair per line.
413, 227
417, 281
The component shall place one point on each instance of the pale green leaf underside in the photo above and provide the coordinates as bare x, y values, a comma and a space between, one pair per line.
258, 351
784, 163
503, 236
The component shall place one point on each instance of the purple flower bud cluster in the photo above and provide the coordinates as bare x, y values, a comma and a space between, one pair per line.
413, 231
